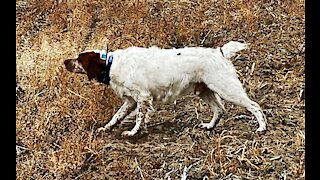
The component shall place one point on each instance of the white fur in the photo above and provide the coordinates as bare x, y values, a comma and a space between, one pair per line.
143, 75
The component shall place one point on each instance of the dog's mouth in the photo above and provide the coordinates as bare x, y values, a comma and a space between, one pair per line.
73, 65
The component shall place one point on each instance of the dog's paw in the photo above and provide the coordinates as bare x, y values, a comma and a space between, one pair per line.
261, 129
105, 128
128, 133
101, 129
207, 126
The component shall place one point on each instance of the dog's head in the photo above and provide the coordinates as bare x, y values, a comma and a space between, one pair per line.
88, 62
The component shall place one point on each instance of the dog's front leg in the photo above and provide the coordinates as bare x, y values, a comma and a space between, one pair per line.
124, 110
142, 108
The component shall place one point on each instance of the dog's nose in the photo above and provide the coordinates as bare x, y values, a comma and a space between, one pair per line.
66, 62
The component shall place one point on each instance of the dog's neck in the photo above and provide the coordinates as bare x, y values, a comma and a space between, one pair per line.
104, 76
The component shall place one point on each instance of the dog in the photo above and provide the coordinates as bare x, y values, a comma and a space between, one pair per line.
143, 75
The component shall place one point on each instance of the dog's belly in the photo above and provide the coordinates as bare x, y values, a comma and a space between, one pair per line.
169, 94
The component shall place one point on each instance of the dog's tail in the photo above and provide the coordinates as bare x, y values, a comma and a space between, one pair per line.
228, 50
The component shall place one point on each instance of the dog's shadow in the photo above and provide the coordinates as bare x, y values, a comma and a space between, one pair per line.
169, 129
163, 129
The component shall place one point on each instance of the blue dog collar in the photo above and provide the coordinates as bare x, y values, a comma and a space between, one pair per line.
109, 58
103, 55
104, 77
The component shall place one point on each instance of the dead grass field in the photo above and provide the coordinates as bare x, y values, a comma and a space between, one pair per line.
57, 112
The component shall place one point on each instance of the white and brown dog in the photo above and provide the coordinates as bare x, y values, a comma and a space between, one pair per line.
143, 75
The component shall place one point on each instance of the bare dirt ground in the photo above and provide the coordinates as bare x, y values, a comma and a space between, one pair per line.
57, 113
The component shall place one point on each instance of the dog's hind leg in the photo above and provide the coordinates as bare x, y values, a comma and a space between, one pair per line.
214, 101
127, 107
230, 89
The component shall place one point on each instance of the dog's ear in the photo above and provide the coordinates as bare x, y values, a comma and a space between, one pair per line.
95, 68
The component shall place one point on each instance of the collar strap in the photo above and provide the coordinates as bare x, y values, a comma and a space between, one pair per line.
103, 54
109, 58
104, 77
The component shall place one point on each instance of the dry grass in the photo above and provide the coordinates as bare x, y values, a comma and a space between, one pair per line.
57, 112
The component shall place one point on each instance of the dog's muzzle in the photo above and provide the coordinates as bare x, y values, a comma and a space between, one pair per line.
73, 65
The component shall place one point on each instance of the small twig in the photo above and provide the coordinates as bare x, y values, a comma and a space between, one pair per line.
205, 37
243, 116
301, 95
77, 95
192, 146
228, 176
252, 69
139, 168
18, 149
275, 158
186, 169
243, 149
196, 110
21, 147
80, 175
168, 173
249, 162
